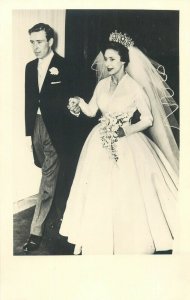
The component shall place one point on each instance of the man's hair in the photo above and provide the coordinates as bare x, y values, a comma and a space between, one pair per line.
41, 26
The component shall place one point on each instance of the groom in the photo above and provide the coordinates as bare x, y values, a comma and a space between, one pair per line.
48, 86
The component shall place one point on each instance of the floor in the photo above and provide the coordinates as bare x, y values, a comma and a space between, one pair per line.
52, 243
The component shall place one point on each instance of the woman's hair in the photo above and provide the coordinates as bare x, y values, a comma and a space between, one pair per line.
41, 26
122, 51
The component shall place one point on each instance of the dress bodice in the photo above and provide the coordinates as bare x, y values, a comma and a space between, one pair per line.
127, 97
121, 100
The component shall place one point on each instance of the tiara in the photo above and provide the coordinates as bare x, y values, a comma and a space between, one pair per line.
123, 39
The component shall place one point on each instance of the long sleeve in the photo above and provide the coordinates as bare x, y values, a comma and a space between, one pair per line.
144, 108
90, 109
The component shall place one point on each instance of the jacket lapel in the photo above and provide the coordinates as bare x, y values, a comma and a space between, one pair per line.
35, 75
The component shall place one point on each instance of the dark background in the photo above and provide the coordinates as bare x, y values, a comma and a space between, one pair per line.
156, 33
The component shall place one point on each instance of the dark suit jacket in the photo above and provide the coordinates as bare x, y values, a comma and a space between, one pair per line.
52, 100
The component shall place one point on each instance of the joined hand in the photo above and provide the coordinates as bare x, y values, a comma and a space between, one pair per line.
73, 105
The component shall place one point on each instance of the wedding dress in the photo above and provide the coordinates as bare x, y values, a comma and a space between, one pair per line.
126, 206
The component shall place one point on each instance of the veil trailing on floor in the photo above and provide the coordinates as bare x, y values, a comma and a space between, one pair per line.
152, 78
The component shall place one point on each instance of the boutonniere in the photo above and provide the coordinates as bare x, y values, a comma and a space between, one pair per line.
54, 71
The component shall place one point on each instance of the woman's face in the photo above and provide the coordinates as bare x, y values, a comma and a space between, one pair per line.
113, 61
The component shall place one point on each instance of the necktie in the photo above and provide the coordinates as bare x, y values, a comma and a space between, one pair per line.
40, 80
40, 74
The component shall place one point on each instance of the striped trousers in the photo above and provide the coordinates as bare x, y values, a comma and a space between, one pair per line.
49, 160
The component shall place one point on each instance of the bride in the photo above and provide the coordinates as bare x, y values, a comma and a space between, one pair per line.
123, 197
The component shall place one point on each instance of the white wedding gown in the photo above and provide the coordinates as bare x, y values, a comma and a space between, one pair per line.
128, 207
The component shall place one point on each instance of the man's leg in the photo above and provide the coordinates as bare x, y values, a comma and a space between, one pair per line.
50, 167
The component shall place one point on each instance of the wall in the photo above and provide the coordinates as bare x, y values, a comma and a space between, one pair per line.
26, 177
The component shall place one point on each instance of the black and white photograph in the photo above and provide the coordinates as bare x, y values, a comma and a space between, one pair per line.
101, 111
96, 180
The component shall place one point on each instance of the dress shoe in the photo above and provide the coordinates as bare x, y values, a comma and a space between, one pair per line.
32, 243
163, 252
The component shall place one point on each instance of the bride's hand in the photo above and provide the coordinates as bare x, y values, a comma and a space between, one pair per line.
73, 102
120, 132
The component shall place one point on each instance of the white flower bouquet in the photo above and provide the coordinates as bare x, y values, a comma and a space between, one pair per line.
109, 125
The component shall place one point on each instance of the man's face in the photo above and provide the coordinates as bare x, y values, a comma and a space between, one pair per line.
40, 45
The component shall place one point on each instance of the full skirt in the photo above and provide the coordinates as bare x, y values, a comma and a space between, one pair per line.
123, 207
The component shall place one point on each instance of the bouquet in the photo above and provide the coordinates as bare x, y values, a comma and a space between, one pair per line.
109, 125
